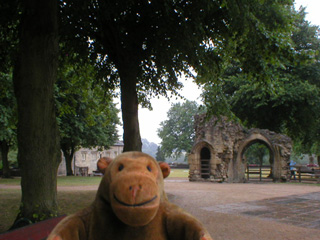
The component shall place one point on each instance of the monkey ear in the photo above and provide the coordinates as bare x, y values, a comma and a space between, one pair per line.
103, 164
165, 168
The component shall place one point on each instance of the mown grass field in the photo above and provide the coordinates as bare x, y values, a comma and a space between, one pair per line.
69, 201
180, 173
89, 181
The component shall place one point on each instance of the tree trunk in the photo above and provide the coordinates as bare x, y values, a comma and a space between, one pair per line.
68, 155
129, 108
4, 156
38, 137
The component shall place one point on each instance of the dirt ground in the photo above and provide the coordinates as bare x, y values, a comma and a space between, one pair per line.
251, 211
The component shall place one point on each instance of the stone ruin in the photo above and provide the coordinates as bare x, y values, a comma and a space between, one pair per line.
218, 152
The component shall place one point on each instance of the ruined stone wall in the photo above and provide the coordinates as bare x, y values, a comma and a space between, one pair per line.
224, 136
225, 139
282, 145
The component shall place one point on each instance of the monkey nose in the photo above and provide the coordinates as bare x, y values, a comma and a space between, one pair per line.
134, 190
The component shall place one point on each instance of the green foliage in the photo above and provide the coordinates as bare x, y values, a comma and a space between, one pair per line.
160, 156
8, 110
87, 117
177, 132
261, 36
257, 153
38, 217
148, 45
13, 158
289, 103
9, 20
165, 38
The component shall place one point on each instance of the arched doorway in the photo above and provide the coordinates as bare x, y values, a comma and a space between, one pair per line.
227, 142
258, 159
239, 166
205, 157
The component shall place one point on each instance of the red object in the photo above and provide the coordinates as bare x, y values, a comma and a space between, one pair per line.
312, 165
37, 231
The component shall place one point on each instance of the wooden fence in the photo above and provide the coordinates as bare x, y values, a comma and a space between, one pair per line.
258, 172
302, 173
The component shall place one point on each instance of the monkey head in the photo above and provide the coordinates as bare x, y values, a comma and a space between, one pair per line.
133, 186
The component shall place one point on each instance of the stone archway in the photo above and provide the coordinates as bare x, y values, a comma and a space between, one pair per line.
226, 142
238, 168
270, 152
203, 161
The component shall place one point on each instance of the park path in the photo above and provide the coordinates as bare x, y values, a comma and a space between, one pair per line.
250, 211
261, 211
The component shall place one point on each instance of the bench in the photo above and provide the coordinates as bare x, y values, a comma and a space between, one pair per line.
305, 173
36, 231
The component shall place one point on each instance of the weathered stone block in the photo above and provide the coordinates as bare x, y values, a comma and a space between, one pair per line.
220, 144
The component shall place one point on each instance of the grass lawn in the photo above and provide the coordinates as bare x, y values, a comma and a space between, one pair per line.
180, 173
9, 203
69, 201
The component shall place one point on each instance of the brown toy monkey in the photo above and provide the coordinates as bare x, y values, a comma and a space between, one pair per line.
131, 204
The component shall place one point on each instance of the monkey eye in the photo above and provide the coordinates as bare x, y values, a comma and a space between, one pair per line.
120, 167
149, 168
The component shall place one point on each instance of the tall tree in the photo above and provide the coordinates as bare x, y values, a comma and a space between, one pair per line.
8, 41
144, 46
38, 137
87, 116
177, 132
8, 120
78, 131
291, 104
9, 21
160, 155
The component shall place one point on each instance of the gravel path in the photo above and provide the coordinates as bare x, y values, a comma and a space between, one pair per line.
251, 211
248, 211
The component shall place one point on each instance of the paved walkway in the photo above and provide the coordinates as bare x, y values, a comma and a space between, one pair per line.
299, 210
249, 211
246, 211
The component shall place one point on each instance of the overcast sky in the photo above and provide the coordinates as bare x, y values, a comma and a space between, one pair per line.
150, 120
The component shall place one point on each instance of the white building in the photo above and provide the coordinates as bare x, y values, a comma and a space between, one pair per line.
85, 160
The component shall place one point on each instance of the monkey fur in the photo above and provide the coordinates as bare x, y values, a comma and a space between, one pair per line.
131, 204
